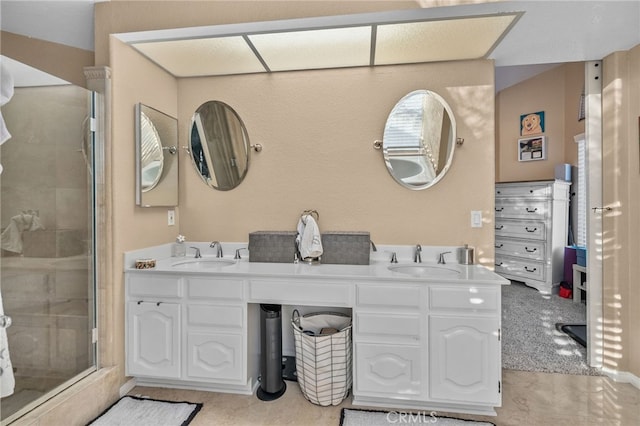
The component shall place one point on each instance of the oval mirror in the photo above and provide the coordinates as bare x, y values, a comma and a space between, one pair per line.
419, 139
151, 155
219, 145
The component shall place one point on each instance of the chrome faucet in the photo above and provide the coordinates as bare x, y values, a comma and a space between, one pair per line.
418, 255
394, 258
198, 255
219, 251
237, 256
373, 246
441, 257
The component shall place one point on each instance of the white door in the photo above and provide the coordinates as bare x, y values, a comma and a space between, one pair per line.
153, 340
464, 359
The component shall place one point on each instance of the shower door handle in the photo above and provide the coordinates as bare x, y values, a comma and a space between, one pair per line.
5, 321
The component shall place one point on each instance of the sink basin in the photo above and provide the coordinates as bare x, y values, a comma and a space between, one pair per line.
203, 263
418, 270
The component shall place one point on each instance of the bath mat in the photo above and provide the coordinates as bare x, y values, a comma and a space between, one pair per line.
577, 332
354, 417
132, 410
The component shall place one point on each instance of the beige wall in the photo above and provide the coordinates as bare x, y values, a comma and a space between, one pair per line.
557, 93
621, 186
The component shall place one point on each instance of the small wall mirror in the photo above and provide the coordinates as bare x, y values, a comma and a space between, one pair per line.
219, 145
156, 158
419, 139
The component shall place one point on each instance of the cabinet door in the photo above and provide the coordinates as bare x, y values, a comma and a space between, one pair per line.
153, 340
392, 371
215, 356
464, 359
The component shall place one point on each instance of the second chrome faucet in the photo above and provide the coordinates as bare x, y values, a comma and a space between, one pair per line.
219, 250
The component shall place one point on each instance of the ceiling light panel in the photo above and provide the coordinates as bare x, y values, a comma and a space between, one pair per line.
441, 40
314, 49
205, 56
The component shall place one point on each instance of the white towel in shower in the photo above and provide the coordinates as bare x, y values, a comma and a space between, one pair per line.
11, 238
6, 93
309, 240
7, 380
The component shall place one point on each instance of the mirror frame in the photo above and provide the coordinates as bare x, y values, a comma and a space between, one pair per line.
208, 158
418, 150
165, 192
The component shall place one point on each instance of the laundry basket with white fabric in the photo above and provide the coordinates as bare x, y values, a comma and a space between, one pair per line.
323, 356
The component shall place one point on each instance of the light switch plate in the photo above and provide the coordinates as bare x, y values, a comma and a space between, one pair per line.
171, 217
476, 219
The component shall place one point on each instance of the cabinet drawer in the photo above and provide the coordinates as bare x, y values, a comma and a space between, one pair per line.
215, 315
465, 298
209, 288
388, 295
522, 209
520, 267
318, 293
533, 250
155, 286
520, 229
524, 190
388, 325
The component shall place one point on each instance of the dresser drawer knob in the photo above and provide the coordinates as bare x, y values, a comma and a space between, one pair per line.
526, 268
531, 250
499, 209
499, 245
529, 210
530, 230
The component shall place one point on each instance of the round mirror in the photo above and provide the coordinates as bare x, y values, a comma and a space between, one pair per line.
219, 145
151, 157
419, 139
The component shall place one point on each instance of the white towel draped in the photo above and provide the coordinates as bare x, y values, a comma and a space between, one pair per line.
309, 240
7, 380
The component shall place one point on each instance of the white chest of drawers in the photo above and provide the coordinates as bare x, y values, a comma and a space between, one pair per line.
531, 232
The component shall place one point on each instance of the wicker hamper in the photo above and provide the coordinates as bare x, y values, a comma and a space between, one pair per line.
323, 362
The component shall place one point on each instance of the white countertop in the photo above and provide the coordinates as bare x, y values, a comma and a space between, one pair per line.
377, 270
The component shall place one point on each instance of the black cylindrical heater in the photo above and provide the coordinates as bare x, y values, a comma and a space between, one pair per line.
272, 385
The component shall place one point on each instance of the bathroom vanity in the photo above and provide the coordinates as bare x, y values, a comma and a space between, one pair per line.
425, 336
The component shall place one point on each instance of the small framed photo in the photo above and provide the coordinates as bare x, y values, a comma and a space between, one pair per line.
533, 148
532, 123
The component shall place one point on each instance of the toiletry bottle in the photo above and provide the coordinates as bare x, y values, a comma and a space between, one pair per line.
178, 249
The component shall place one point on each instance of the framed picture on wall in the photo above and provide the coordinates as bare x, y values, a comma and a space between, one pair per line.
533, 148
532, 123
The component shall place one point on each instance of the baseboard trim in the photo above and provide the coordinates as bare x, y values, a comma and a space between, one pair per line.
126, 388
622, 377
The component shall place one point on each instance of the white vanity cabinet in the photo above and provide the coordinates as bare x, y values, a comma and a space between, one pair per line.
389, 342
189, 331
464, 337
531, 226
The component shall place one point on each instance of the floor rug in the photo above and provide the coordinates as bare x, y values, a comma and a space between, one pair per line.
353, 417
530, 340
135, 411
577, 332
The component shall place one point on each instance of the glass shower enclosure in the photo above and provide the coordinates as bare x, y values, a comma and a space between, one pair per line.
47, 265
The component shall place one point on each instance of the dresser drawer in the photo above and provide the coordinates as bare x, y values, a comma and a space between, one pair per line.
388, 295
523, 190
154, 286
520, 229
537, 210
214, 288
317, 293
533, 250
464, 298
520, 267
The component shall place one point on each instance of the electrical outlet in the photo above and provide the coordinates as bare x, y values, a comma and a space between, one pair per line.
171, 217
476, 219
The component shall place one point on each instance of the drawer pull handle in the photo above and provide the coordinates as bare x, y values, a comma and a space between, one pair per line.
498, 228
531, 191
498, 264
140, 302
526, 268
530, 230
500, 209
532, 210
158, 303
531, 250
499, 245
498, 192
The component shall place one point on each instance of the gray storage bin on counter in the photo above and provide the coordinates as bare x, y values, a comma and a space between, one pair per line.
272, 246
347, 248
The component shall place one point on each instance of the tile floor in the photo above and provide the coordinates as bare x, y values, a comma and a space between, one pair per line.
528, 399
